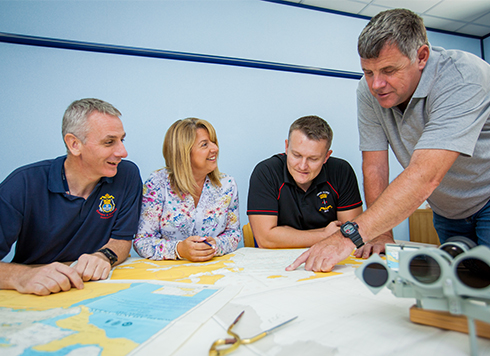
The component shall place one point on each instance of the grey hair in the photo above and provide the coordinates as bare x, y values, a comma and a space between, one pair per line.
401, 27
313, 127
77, 113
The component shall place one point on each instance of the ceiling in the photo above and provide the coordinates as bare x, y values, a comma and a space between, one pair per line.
470, 17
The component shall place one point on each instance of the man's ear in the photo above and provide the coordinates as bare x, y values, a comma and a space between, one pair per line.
329, 153
423, 56
73, 144
286, 142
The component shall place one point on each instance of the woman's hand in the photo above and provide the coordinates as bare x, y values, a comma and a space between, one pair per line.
196, 248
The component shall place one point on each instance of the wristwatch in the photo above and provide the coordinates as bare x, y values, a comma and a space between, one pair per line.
351, 231
107, 252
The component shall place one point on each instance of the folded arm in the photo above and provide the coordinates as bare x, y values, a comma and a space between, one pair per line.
269, 235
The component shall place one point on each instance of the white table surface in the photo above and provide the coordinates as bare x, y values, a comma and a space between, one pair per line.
336, 316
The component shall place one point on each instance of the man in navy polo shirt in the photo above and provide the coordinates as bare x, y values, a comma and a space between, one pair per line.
80, 207
301, 197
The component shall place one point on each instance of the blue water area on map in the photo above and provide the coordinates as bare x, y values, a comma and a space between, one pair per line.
137, 313
132, 328
139, 301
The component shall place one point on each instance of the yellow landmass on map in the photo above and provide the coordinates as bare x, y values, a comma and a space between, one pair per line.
15, 300
391, 258
205, 272
277, 276
352, 261
189, 292
175, 271
87, 334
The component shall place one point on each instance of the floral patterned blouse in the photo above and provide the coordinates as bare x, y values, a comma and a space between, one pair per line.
166, 219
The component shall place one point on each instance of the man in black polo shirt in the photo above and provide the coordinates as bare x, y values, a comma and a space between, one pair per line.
301, 197
80, 207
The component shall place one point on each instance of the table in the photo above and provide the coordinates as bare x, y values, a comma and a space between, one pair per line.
337, 314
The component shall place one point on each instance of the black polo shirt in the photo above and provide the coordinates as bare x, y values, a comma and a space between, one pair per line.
273, 191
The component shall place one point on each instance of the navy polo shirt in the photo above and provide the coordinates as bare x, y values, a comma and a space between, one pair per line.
273, 191
50, 225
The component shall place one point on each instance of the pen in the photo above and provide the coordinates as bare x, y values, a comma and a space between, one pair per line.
207, 243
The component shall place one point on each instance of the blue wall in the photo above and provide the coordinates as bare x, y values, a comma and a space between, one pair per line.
486, 45
250, 108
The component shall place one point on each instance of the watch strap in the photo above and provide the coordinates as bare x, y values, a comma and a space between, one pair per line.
111, 255
357, 239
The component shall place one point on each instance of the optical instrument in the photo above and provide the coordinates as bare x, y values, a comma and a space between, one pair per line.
454, 278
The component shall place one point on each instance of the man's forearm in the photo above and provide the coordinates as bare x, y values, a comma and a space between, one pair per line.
397, 202
289, 237
375, 171
406, 193
269, 235
9, 272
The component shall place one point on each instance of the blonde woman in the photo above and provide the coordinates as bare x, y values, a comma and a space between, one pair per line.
189, 209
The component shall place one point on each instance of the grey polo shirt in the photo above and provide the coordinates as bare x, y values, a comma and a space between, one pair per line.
449, 110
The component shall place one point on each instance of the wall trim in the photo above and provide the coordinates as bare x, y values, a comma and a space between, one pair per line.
348, 14
342, 13
163, 54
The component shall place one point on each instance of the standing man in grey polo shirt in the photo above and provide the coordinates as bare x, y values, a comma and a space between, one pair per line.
432, 107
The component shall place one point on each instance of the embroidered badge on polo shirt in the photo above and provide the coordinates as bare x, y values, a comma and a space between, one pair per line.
107, 206
323, 196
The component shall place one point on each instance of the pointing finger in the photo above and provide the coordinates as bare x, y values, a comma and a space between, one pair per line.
299, 261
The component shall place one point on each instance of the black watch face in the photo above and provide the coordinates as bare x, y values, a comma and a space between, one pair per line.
349, 229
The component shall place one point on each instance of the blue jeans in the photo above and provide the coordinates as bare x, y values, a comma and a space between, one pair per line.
476, 227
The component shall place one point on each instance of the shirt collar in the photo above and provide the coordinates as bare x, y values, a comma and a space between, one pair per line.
428, 74
55, 176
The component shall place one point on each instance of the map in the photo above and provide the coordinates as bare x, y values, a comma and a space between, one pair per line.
251, 268
149, 305
101, 319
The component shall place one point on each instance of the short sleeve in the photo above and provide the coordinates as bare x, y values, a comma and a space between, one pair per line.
263, 191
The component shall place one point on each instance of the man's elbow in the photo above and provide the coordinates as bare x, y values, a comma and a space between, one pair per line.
430, 186
427, 182
262, 241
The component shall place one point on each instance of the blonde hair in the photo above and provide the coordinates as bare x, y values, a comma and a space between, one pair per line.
177, 146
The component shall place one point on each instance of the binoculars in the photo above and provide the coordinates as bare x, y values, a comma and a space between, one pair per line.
454, 277
457, 268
